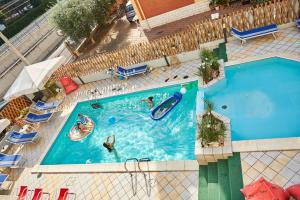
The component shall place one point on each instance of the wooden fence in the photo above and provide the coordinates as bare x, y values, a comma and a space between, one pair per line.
279, 12
13, 108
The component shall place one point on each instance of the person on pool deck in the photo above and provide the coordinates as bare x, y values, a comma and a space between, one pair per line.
82, 119
150, 102
109, 145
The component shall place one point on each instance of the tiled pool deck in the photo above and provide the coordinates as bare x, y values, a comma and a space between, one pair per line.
164, 185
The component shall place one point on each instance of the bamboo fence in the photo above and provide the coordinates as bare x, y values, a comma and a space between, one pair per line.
13, 108
279, 12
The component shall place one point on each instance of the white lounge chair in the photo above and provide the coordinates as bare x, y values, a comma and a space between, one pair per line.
4, 183
298, 23
42, 106
256, 32
131, 71
22, 138
37, 118
14, 160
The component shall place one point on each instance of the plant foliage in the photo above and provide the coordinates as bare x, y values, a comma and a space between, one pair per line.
211, 129
209, 65
76, 18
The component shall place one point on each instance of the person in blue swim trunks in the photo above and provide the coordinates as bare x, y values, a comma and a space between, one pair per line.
82, 119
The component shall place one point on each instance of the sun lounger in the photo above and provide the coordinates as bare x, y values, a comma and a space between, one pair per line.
298, 23
131, 71
37, 118
14, 160
42, 106
64, 194
256, 32
21, 138
22, 193
4, 183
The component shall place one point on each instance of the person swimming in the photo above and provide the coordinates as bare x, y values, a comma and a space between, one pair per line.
109, 145
79, 127
82, 119
150, 102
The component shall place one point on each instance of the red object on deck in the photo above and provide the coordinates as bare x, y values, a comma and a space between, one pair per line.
294, 191
63, 194
68, 84
264, 190
22, 193
38, 193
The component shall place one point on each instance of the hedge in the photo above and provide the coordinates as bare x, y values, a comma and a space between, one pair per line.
18, 25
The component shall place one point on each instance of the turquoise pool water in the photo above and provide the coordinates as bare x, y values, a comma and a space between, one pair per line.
137, 135
262, 99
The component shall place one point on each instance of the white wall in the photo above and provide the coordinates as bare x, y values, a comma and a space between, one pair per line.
175, 15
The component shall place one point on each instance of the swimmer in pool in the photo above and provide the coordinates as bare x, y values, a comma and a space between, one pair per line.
82, 119
109, 145
150, 102
79, 127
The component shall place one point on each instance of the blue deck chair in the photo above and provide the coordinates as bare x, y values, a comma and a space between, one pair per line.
3, 180
10, 160
256, 32
21, 138
42, 106
37, 118
131, 71
298, 23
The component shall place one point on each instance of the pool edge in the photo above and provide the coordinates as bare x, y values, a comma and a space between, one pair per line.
275, 144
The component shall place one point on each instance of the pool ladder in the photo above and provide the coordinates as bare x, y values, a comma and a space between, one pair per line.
133, 174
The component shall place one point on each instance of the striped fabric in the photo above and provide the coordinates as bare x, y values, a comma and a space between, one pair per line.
36, 118
254, 32
3, 178
9, 160
19, 138
41, 106
132, 71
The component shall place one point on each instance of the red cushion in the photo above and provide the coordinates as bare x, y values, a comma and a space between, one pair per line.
263, 190
294, 191
68, 84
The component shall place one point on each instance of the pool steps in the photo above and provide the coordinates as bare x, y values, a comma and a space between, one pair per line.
221, 180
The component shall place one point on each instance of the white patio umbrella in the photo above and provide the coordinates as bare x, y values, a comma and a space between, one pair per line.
33, 78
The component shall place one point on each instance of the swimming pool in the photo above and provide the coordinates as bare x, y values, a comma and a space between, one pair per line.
137, 135
262, 99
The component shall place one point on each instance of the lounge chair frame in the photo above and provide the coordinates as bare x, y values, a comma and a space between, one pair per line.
259, 33
34, 140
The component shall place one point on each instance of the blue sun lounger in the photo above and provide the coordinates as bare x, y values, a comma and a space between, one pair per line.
256, 32
133, 70
298, 23
11, 160
42, 106
37, 118
3, 179
21, 138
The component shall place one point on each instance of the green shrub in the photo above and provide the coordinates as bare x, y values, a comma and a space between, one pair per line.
211, 129
209, 65
16, 26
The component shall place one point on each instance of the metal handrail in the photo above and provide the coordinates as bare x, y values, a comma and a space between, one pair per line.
133, 186
147, 181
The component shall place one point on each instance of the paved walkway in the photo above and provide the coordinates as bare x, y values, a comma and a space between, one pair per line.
183, 24
280, 167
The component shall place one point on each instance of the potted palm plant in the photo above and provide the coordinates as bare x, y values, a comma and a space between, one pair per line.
211, 130
209, 68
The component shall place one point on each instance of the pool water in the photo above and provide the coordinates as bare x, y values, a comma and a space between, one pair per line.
137, 135
261, 98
